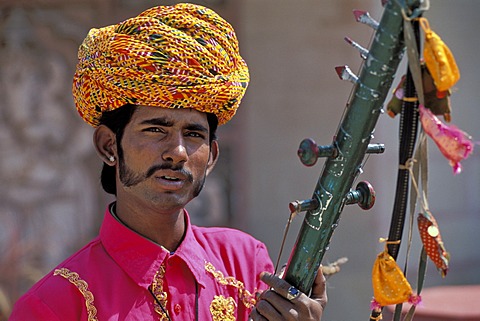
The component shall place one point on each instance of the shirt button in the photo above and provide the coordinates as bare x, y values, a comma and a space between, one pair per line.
177, 308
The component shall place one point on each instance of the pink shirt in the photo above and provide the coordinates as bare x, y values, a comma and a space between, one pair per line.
213, 275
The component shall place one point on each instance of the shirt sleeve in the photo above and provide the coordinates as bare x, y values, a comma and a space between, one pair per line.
263, 264
30, 307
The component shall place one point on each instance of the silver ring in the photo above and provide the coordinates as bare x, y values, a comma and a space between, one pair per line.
293, 293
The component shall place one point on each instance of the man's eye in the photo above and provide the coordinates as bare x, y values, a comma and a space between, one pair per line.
195, 134
152, 129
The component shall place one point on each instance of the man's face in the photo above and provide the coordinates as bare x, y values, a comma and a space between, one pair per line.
164, 158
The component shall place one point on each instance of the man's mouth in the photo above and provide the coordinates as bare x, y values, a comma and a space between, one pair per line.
171, 182
170, 178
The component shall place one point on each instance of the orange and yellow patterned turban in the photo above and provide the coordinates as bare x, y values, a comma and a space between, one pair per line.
182, 56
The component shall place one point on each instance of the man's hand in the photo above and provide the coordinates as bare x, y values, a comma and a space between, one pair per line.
281, 303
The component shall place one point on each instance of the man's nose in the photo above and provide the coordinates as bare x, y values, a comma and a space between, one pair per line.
175, 150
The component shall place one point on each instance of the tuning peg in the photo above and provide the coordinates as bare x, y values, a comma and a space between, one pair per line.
363, 51
303, 205
365, 18
345, 73
364, 196
309, 151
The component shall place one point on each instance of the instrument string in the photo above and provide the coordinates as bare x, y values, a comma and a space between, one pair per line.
285, 233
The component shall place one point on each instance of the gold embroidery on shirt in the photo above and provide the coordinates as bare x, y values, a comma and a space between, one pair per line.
222, 309
82, 286
244, 295
157, 289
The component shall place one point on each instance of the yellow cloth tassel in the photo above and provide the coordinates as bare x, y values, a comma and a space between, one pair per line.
439, 59
390, 285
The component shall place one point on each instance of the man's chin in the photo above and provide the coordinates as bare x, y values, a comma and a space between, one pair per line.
170, 201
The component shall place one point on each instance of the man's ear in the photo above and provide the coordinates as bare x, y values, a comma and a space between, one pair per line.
214, 152
105, 143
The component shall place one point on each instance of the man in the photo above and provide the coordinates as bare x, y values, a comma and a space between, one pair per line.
155, 87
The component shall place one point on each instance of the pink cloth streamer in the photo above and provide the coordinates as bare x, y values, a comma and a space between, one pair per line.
454, 143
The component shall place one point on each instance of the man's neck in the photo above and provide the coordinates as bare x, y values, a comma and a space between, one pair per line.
165, 229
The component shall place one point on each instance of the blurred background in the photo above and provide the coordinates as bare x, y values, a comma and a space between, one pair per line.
51, 202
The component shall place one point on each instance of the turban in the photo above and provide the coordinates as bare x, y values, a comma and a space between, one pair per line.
182, 56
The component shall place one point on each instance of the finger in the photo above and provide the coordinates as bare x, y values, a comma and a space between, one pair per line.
271, 305
256, 316
280, 286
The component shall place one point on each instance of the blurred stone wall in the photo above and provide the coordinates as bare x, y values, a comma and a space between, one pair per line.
49, 197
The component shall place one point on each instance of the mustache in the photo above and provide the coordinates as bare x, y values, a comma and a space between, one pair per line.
177, 168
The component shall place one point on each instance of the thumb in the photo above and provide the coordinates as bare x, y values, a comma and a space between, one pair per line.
319, 288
